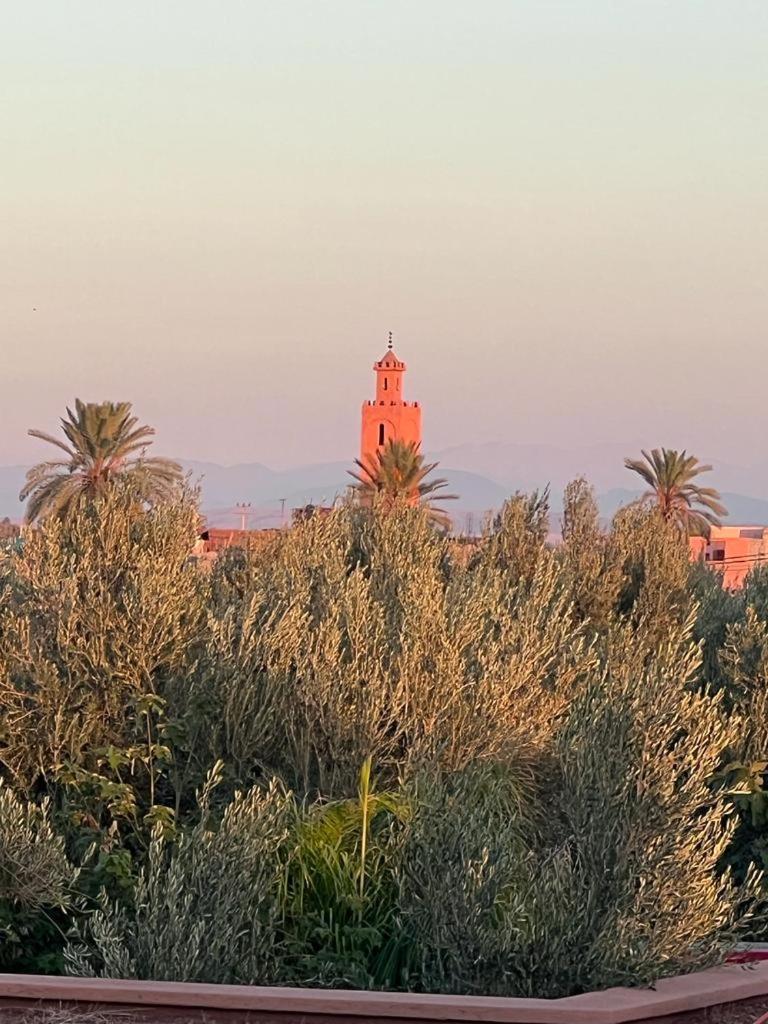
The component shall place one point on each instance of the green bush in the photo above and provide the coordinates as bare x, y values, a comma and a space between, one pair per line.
37, 884
205, 906
96, 614
568, 746
339, 922
359, 636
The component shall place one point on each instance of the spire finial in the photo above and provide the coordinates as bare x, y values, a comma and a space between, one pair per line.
389, 345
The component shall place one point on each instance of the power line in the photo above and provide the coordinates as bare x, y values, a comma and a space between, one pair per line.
736, 562
757, 556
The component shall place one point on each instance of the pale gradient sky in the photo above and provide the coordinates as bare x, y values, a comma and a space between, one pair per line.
218, 208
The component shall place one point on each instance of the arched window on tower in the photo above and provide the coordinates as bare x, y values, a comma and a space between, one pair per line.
386, 383
381, 433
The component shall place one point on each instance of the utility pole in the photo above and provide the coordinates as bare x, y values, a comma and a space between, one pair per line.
282, 510
244, 510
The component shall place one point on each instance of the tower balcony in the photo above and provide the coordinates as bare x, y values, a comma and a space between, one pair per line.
372, 403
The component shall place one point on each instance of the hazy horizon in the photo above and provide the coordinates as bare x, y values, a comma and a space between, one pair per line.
218, 211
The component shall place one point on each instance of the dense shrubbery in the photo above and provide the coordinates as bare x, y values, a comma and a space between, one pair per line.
360, 757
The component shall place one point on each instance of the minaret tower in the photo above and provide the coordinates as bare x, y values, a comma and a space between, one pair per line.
389, 417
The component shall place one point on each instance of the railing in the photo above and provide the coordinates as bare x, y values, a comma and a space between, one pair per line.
408, 405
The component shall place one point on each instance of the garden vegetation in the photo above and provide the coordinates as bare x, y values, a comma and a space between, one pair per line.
366, 755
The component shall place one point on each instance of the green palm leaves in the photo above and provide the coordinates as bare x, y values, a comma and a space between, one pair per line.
670, 476
398, 475
104, 442
340, 887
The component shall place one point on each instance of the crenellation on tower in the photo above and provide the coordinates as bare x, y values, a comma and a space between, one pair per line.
388, 417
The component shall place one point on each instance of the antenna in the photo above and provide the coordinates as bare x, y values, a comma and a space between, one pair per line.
244, 511
389, 345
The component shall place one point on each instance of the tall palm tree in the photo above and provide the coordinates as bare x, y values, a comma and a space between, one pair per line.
670, 476
104, 443
397, 474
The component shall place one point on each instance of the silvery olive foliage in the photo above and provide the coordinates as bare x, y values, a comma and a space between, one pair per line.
358, 637
361, 754
34, 869
205, 906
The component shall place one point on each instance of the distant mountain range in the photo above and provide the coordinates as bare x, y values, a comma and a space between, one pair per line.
482, 475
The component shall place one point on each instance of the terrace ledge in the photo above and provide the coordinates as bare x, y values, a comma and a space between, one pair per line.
681, 994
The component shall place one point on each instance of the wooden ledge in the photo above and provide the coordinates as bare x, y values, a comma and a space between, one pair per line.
682, 994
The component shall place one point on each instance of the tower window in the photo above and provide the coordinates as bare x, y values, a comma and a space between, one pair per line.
386, 384
381, 433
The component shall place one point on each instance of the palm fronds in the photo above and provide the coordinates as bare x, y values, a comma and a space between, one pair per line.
106, 442
670, 476
398, 474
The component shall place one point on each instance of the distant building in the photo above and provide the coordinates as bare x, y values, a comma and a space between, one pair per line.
389, 417
8, 530
305, 512
214, 540
733, 551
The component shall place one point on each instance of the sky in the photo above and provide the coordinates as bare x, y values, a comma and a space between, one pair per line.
217, 209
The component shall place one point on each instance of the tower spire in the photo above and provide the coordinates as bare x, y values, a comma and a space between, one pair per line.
389, 343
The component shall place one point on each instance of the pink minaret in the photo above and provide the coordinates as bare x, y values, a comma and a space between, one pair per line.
389, 417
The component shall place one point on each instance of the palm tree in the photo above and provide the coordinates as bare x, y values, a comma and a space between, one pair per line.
670, 476
397, 475
104, 443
